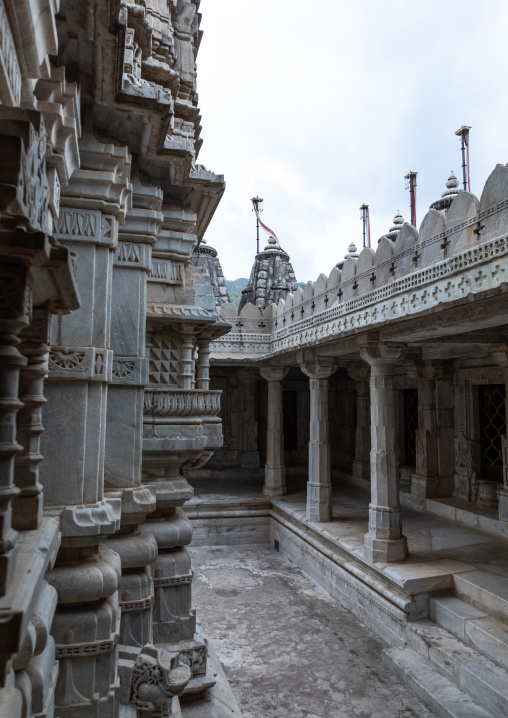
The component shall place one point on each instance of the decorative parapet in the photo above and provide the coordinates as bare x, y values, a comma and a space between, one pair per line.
177, 404
455, 254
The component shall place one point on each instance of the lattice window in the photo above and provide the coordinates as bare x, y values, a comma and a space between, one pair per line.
164, 356
492, 428
410, 425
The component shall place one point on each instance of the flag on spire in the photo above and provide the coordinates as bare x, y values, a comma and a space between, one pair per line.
267, 229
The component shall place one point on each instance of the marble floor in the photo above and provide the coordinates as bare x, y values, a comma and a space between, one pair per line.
434, 542
288, 649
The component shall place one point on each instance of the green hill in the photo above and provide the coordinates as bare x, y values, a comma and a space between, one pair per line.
234, 287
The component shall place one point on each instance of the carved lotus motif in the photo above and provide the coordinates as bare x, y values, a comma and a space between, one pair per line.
122, 369
67, 359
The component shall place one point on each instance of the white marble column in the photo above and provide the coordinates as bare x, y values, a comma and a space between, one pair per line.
319, 486
203, 365
361, 462
275, 472
186, 373
249, 456
384, 541
434, 437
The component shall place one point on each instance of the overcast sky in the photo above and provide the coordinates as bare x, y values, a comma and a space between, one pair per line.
321, 106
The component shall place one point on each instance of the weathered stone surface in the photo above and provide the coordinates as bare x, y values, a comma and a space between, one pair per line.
278, 635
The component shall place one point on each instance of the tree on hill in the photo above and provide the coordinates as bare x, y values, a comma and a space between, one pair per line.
234, 287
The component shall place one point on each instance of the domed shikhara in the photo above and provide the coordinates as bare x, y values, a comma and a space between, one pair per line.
394, 230
398, 221
452, 189
271, 279
207, 258
352, 251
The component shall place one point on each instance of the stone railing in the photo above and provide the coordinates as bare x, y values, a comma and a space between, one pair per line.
181, 403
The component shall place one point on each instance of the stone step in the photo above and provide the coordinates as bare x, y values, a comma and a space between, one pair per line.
486, 591
485, 681
439, 693
489, 636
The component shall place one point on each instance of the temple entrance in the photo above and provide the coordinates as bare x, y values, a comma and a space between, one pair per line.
492, 422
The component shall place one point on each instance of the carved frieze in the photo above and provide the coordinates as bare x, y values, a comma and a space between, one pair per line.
90, 363
86, 225
182, 403
132, 255
166, 271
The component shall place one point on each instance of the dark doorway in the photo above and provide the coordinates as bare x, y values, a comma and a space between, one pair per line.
290, 416
492, 409
410, 426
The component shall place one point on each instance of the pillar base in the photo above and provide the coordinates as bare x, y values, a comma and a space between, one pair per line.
388, 551
274, 490
319, 502
502, 496
275, 481
361, 469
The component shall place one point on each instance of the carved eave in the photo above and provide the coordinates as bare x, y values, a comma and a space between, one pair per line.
167, 314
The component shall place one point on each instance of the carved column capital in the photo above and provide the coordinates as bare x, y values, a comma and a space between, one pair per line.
376, 353
359, 373
318, 370
273, 373
426, 369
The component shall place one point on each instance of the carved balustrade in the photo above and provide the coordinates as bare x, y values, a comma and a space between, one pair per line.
177, 405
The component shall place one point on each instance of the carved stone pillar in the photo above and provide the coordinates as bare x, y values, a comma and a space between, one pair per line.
124, 427
361, 462
27, 505
203, 365
86, 573
319, 486
384, 541
275, 473
14, 305
34, 270
434, 436
186, 373
85, 630
248, 379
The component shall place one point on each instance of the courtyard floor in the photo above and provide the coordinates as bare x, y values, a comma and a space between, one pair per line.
288, 649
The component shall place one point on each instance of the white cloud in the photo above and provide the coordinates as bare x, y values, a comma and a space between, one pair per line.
321, 107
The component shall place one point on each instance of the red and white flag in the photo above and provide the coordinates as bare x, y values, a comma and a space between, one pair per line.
267, 229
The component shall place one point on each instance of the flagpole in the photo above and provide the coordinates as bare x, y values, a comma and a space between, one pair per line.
257, 207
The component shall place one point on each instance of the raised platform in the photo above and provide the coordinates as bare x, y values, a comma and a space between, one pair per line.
445, 609
385, 596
